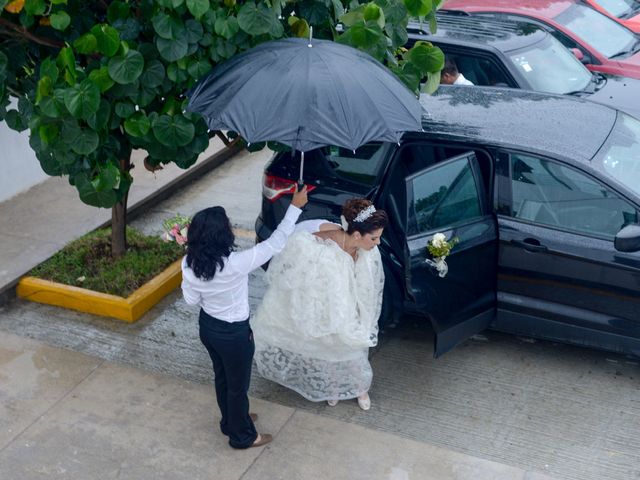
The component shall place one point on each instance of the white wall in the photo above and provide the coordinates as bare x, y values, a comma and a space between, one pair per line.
19, 166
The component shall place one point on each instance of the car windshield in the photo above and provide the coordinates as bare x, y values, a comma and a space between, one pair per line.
619, 8
549, 67
619, 157
598, 30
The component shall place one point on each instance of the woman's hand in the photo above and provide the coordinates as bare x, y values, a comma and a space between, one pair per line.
300, 197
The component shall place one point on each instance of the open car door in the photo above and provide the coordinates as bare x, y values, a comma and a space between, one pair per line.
450, 197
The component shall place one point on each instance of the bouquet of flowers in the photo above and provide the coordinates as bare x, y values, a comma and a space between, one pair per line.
175, 229
439, 248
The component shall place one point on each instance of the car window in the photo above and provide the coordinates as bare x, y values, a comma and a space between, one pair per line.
480, 71
619, 8
602, 33
619, 158
443, 195
549, 67
548, 193
360, 166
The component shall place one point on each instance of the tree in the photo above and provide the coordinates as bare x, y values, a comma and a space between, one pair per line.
94, 79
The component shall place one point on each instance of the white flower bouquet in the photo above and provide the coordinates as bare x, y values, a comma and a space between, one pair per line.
176, 228
439, 248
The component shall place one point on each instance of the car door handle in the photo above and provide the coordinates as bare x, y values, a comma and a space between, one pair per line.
530, 244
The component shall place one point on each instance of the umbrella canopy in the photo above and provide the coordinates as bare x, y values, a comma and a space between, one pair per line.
306, 94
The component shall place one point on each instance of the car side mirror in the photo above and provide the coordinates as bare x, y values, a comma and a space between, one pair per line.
628, 239
578, 54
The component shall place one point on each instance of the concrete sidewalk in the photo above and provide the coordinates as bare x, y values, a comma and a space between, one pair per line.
65, 415
40, 221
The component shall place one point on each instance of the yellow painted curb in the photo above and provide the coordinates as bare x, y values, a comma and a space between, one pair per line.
128, 309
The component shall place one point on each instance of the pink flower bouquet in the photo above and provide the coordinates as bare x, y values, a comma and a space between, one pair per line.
175, 229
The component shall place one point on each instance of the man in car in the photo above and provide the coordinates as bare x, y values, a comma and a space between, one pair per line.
450, 74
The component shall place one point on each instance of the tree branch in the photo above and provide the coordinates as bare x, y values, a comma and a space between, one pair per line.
19, 31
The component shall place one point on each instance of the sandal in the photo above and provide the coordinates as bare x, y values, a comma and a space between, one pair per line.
364, 402
253, 417
262, 439
332, 403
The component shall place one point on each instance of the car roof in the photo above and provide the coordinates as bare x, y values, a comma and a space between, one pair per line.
536, 8
464, 29
553, 124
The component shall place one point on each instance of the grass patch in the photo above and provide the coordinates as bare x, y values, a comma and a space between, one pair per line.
87, 263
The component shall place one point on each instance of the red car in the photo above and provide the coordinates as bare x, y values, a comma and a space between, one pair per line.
627, 12
601, 43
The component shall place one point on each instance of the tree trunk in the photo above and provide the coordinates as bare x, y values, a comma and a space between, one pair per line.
119, 219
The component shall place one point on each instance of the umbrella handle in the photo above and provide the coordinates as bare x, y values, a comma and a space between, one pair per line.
300, 181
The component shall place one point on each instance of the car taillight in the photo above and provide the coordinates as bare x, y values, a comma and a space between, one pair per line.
274, 187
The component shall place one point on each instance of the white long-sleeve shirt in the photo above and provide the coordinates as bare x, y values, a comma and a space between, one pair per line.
226, 295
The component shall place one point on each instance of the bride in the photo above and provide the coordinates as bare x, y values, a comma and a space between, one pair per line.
320, 313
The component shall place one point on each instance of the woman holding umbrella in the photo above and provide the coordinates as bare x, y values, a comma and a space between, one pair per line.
216, 278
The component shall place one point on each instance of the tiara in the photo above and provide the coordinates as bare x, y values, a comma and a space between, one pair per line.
364, 214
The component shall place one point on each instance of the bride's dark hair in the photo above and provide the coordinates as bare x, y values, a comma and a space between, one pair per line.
353, 207
209, 241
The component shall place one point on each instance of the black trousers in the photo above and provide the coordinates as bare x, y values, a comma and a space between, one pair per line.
231, 348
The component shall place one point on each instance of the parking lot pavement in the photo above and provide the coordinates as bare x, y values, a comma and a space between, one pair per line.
538, 407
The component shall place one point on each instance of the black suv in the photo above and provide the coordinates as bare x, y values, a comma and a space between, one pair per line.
543, 192
508, 53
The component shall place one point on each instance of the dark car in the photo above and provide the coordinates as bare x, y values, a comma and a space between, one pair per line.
543, 192
517, 54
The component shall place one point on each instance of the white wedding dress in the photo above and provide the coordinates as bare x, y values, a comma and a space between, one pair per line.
319, 317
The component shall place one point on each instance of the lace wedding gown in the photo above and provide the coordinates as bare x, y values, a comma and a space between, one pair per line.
319, 317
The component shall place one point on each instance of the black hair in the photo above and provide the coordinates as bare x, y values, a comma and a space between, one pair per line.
450, 67
209, 241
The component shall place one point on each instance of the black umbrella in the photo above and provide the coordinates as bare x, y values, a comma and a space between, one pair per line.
306, 94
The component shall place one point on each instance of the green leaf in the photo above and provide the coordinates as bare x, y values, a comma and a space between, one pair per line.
167, 27
153, 75
255, 20
137, 125
194, 31
58, 2
50, 107
16, 121
86, 142
373, 13
432, 83
60, 20
98, 121
299, 27
48, 132
427, 57
44, 89
352, 17
129, 29
70, 130
227, 27
198, 7
126, 68
35, 7
172, 50
108, 178
101, 78
118, 10
173, 130
83, 99
125, 109
316, 13
199, 68
86, 44
108, 39
418, 8
89, 194
176, 74
66, 60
